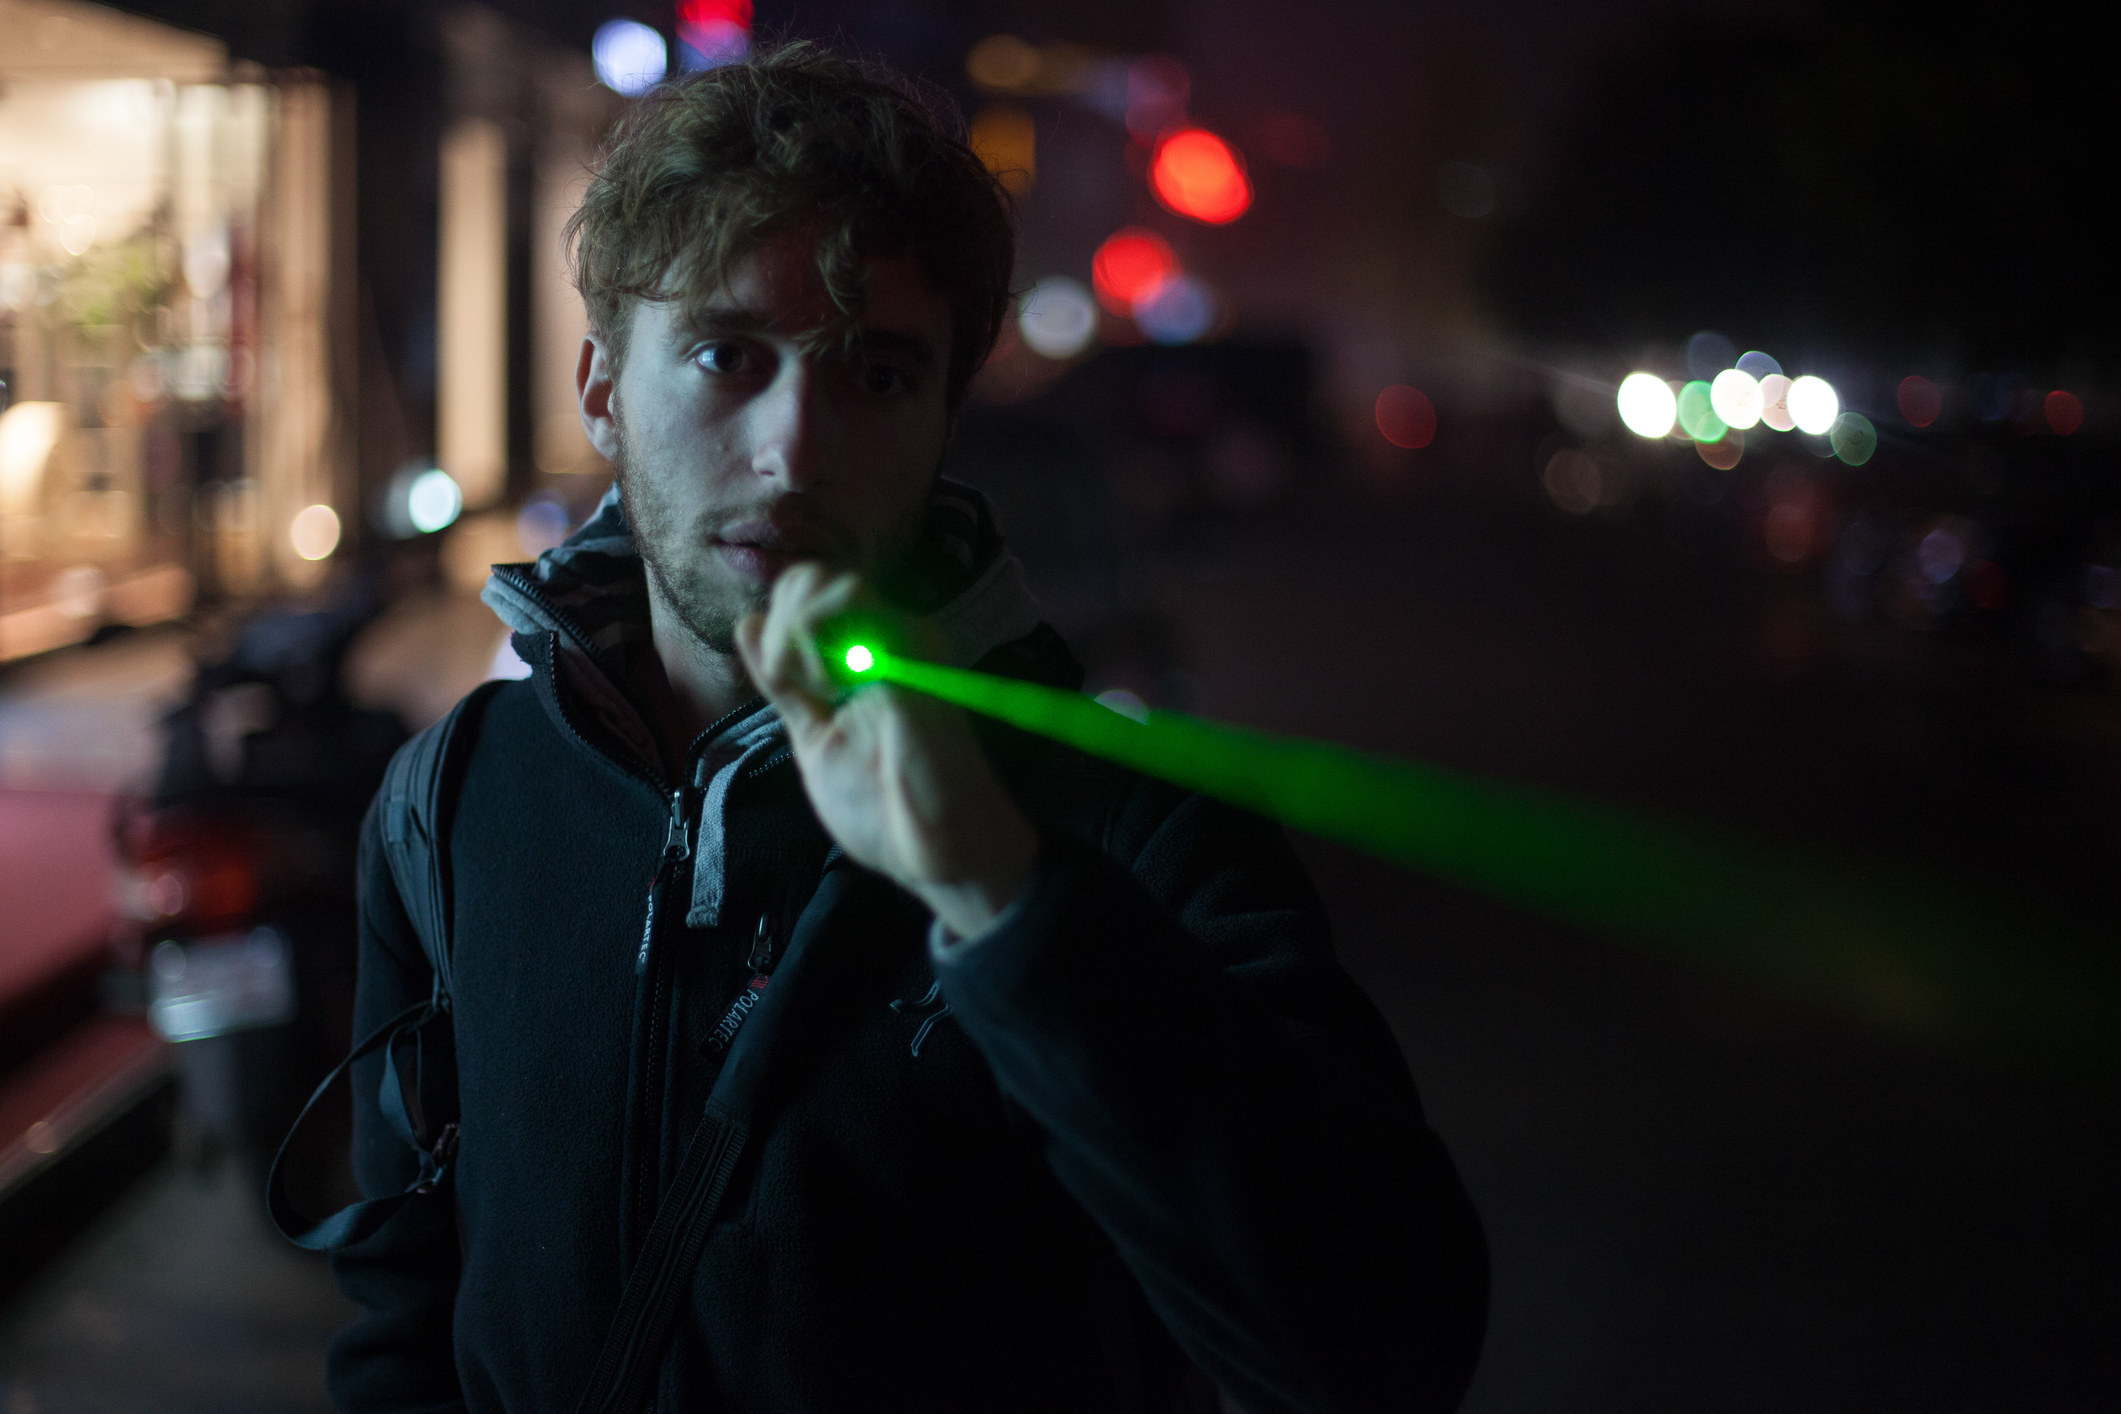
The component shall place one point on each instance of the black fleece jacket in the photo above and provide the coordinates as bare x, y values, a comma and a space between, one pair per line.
1145, 1120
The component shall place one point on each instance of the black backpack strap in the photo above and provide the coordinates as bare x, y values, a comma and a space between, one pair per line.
418, 786
418, 1092
660, 1283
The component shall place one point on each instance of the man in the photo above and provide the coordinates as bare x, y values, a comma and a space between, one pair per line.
931, 1067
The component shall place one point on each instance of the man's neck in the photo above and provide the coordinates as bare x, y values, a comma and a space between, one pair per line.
685, 686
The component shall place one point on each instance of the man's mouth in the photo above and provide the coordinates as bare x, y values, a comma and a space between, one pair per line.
761, 549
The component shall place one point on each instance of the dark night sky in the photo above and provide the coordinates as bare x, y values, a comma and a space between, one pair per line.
1928, 187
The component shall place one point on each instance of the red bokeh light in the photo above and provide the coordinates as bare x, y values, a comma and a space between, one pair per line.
1130, 264
1197, 174
202, 870
1919, 400
1406, 417
2065, 413
700, 12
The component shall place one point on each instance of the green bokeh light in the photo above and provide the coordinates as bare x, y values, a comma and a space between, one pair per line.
1905, 953
860, 659
1697, 414
1853, 438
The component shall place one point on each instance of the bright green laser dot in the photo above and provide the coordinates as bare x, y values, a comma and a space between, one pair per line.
860, 659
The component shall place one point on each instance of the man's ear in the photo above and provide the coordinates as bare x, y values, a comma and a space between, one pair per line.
596, 391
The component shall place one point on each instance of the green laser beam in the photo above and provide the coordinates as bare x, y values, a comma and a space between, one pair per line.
1905, 953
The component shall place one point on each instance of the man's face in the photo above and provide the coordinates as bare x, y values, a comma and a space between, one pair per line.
743, 446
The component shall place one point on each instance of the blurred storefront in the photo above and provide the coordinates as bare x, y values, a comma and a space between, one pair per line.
172, 289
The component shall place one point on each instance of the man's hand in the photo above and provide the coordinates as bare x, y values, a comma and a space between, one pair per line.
894, 775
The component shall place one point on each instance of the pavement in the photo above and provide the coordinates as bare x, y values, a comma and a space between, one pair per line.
180, 1301
1701, 1193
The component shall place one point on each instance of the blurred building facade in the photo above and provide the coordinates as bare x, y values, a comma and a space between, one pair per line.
244, 301
170, 269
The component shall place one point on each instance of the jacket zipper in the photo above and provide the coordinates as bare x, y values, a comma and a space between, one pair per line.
653, 1004
677, 848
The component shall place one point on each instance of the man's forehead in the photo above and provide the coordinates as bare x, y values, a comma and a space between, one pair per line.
778, 277
779, 291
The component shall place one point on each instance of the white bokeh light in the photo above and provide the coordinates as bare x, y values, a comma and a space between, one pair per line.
1813, 405
1647, 405
1058, 318
314, 532
630, 57
433, 501
1775, 402
1736, 397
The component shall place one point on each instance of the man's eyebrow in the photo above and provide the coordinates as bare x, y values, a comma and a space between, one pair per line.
725, 319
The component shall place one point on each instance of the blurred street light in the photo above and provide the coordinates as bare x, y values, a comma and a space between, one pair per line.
433, 501
630, 58
1130, 264
1406, 417
1736, 398
1646, 405
1813, 405
1058, 318
1853, 438
1697, 413
712, 32
1177, 311
1775, 402
1198, 175
314, 532
2065, 412
1006, 141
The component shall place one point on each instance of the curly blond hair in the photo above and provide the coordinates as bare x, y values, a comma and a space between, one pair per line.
701, 170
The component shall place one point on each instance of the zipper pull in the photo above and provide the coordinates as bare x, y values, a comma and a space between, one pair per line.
761, 959
677, 844
676, 849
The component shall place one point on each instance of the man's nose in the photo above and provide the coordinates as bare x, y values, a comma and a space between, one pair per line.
795, 429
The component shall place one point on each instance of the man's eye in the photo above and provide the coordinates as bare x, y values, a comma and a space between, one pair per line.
723, 358
883, 380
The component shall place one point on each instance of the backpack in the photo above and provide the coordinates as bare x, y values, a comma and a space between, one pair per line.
418, 1093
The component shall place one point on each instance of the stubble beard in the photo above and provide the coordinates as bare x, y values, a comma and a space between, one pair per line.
678, 563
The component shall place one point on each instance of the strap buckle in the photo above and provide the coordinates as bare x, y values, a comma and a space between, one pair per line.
435, 1161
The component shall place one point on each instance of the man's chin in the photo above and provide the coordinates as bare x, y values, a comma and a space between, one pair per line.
709, 606
714, 624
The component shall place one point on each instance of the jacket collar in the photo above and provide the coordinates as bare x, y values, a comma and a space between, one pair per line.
590, 593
